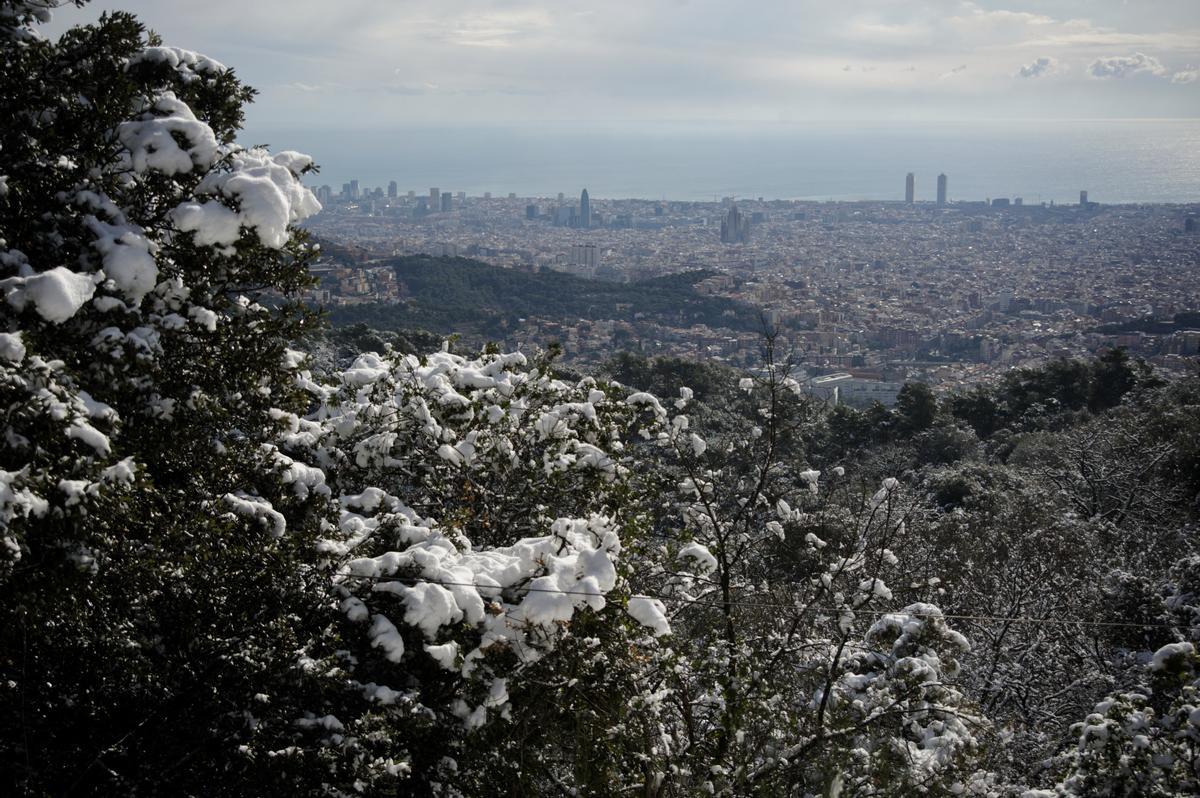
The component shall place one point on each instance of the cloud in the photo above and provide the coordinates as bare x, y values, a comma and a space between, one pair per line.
1120, 66
499, 29
1189, 74
1044, 65
629, 60
405, 90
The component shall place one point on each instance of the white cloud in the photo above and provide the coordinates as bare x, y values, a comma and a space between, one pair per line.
1043, 65
1189, 74
1120, 66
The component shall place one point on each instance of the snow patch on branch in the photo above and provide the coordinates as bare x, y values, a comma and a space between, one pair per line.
151, 140
56, 294
266, 192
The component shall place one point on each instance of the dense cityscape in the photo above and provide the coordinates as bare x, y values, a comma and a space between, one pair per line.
869, 295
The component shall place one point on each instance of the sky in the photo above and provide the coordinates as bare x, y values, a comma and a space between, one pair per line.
371, 64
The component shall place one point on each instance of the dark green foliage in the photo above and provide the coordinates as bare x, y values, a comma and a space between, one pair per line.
448, 295
349, 341
1113, 375
720, 407
916, 407
1050, 397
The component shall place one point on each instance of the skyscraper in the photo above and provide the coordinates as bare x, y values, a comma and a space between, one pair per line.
393, 189
354, 192
910, 188
585, 210
735, 227
446, 202
941, 197
435, 200
1083, 198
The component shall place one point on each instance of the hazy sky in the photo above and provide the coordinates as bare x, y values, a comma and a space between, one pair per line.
381, 63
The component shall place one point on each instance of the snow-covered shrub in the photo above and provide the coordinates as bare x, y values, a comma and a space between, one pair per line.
1134, 745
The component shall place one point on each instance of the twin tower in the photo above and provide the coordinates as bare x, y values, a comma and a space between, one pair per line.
910, 189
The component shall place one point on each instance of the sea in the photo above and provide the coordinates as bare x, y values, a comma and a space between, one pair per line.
1115, 161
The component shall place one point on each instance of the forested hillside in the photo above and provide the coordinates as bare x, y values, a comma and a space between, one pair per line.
448, 295
240, 556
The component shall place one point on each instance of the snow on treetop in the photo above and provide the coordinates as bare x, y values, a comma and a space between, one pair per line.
189, 64
151, 139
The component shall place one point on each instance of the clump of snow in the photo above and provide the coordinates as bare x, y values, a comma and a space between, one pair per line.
258, 508
649, 612
128, 257
647, 399
1170, 652
12, 347
705, 562
384, 635
204, 317
428, 607
190, 65
151, 140
268, 195
213, 223
89, 435
17, 500
120, 472
445, 654
886, 490
56, 294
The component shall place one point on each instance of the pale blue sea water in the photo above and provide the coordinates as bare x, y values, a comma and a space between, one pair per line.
1114, 160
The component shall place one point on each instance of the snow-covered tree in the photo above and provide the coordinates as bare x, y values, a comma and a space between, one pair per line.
185, 599
154, 554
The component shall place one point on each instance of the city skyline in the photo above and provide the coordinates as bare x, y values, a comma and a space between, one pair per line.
581, 215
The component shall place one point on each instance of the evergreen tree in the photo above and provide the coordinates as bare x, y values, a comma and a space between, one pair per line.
155, 569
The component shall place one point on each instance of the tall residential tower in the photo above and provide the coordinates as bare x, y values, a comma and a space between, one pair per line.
941, 197
910, 188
